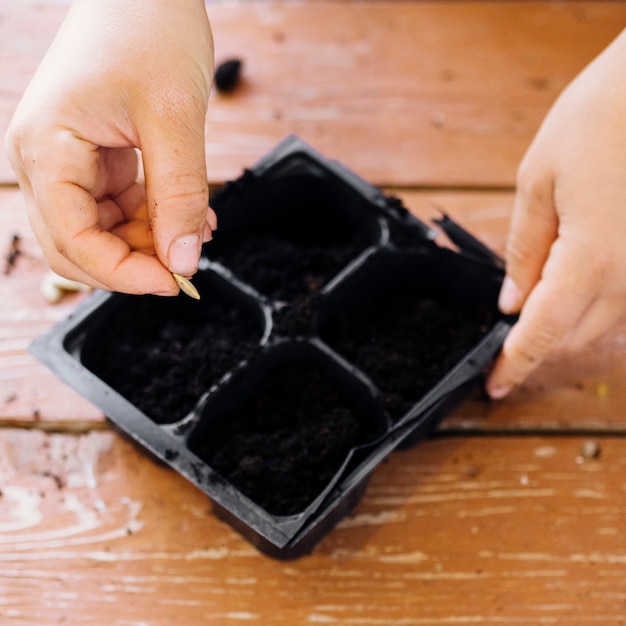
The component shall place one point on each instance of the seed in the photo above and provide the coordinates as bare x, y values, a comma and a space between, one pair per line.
227, 75
51, 293
186, 286
590, 450
54, 287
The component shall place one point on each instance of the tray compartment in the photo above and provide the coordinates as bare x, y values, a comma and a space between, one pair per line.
289, 232
164, 354
405, 319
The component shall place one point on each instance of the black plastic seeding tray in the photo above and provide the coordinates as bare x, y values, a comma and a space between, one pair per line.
332, 329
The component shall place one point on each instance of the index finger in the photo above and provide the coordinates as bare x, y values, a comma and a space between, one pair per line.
70, 215
554, 307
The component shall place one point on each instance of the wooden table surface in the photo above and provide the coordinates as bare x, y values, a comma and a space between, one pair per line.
499, 519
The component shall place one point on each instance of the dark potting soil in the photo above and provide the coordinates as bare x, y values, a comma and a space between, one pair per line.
12, 254
296, 319
288, 442
163, 356
286, 265
406, 342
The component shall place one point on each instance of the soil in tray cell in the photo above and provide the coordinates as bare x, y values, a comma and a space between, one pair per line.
283, 267
406, 342
305, 243
162, 359
289, 440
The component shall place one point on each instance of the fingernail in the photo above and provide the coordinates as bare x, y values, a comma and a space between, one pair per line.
499, 391
510, 299
184, 254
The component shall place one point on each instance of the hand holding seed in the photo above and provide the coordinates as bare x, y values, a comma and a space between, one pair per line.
103, 92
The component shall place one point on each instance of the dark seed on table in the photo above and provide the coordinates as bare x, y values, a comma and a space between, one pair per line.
227, 75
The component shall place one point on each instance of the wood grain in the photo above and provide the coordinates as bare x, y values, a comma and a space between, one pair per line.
29, 394
410, 93
460, 530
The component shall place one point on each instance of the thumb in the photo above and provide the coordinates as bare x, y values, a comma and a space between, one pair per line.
177, 190
533, 230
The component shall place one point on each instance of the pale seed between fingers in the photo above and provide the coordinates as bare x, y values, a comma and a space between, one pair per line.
186, 286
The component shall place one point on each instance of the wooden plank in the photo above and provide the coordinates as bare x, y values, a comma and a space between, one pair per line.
408, 93
586, 392
29, 394
456, 531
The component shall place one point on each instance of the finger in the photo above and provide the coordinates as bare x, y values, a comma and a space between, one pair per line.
533, 229
136, 234
126, 207
132, 202
70, 215
126, 217
555, 306
176, 185
109, 214
57, 262
211, 219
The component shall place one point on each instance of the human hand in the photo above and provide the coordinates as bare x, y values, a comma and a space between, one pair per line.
566, 257
120, 75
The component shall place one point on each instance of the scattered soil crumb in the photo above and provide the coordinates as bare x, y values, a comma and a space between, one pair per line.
227, 75
13, 252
